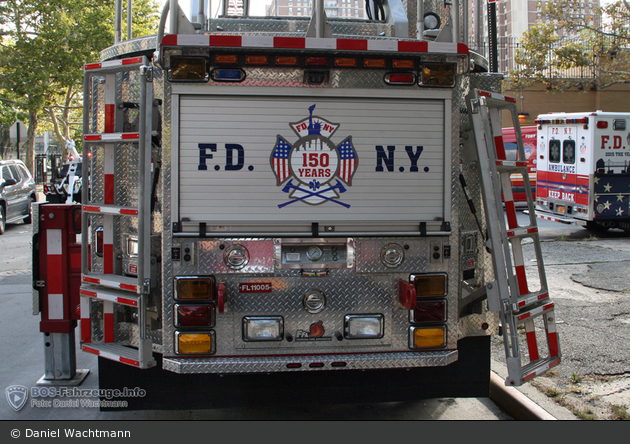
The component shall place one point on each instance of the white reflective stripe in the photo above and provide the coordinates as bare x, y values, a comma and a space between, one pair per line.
450, 48
323, 43
107, 355
382, 45
257, 41
55, 306
193, 40
53, 242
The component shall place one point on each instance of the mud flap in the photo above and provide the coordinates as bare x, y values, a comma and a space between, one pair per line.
469, 376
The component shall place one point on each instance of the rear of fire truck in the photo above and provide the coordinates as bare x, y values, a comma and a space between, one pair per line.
283, 196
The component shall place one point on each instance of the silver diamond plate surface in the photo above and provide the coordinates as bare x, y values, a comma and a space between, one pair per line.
369, 287
279, 364
125, 48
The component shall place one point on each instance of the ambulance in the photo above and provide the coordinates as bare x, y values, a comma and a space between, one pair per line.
528, 134
583, 175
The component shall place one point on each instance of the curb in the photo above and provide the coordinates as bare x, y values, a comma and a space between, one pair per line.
514, 403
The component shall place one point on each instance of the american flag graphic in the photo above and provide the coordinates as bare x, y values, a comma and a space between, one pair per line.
611, 196
280, 159
348, 160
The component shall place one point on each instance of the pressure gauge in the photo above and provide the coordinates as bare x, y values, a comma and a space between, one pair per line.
314, 253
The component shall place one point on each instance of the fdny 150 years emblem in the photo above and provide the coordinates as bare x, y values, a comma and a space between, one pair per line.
321, 170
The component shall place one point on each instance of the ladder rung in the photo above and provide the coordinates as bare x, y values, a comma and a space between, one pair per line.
537, 311
112, 66
521, 232
115, 296
539, 367
531, 298
114, 352
111, 137
512, 163
110, 209
111, 281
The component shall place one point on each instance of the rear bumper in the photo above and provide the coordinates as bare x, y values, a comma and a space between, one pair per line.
263, 364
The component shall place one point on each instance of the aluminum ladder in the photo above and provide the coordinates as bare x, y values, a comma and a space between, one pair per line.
510, 293
110, 285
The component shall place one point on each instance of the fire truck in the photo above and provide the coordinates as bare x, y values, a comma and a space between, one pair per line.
584, 169
310, 201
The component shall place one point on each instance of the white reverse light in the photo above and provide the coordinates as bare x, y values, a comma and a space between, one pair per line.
363, 326
263, 328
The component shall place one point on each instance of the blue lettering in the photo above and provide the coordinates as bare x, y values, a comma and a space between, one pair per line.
203, 155
229, 157
414, 156
387, 158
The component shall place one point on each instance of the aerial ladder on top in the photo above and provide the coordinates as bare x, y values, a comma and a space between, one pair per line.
510, 293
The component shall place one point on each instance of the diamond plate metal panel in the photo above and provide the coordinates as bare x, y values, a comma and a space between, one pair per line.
279, 364
368, 288
368, 255
211, 256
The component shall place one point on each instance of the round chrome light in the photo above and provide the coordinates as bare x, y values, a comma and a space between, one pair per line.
314, 301
236, 257
431, 20
392, 255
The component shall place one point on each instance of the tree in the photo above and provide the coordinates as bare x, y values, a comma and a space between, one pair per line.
574, 46
44, 47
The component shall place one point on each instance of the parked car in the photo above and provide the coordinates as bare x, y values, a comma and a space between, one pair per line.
17, 193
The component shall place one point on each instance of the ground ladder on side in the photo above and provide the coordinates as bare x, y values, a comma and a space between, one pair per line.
109, 286
510, 293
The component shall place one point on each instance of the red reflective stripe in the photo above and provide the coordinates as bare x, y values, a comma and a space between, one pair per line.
91, 208
54, 265
554, 348
169, 40
110, 113
129, 212
91, 280
226, 40
498, 143
89, 66
127, 136
92, 137
532, 346
462, 48
109, 189
128, 287
127, 301
88, 293
132, 60
108, 258
90, 350
353, 44
510, 211
289, 42
129, 361
521, 277
108, 327
406, 46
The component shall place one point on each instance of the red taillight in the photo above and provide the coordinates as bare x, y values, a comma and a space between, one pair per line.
602, 124
316, 61
99, 241
430, 311
193, 316
400, 78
